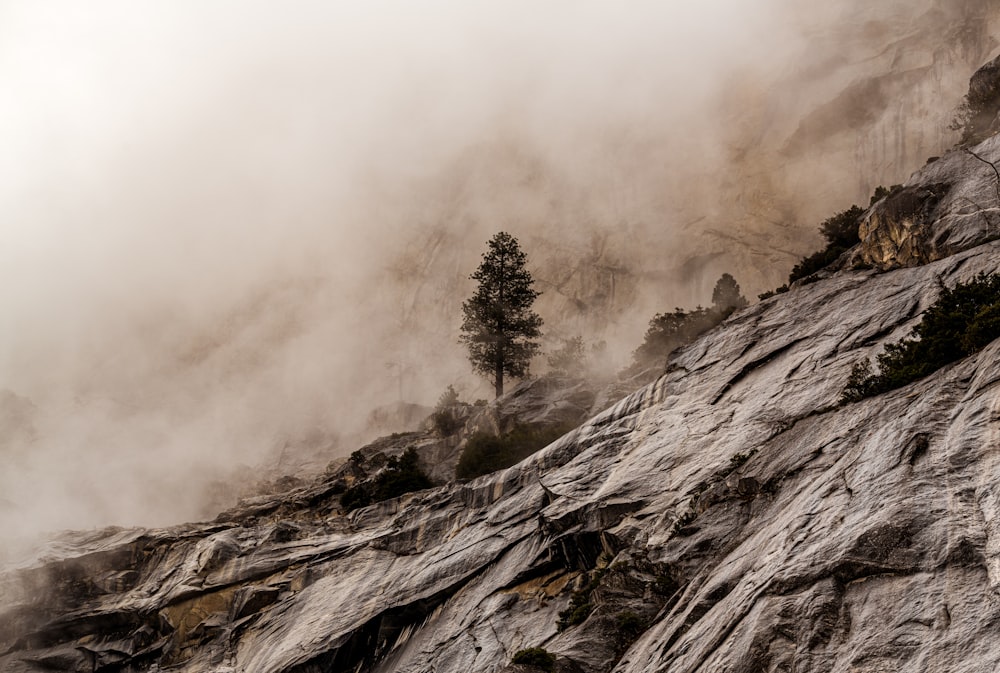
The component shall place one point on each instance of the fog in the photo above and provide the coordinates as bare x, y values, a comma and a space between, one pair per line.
231, 230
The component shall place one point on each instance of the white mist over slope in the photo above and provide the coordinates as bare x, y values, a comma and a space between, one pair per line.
227, 226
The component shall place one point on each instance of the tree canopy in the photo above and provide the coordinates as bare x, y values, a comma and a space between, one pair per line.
498, 327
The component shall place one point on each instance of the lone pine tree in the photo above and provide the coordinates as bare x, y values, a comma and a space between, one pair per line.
498, 325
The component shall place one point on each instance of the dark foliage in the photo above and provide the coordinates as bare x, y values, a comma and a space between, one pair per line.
485, 453
629, 626
669, 331
580, 606
771, 293
841, 234
535, 656
401, 475
570, 359
881, 192
446, 422
961, 322
726, 296
498, 327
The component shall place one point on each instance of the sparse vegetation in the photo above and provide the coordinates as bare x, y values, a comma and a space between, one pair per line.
570, 359
738, 459
629, 626
580, 606
485, 453
401, 475
841, 234
881, 192
444, 418
669, 331
961, 322
726, 296
683, 521
771, 293
535, 656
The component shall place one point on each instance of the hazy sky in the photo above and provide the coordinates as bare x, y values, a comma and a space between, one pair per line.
202, 205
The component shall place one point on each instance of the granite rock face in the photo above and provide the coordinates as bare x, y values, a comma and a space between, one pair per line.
728, 517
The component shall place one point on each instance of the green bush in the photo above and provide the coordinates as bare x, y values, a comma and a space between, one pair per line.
669, 331
535, 656
737, 459
401, 475
629, 625
444, 419
961, 322
841, 234
485, 453
580, 606
684, 520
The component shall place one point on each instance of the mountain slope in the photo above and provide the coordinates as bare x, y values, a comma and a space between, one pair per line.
731, 516
852, 538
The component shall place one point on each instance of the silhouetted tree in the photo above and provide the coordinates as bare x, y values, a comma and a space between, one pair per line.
726, 296
499, 326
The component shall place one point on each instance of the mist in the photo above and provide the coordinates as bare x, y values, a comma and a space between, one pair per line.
231, 230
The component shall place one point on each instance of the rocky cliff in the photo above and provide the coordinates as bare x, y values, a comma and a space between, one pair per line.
731, 516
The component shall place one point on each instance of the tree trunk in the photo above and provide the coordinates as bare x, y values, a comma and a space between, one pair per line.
499, 379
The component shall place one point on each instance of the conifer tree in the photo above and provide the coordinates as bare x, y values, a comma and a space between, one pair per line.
499, 326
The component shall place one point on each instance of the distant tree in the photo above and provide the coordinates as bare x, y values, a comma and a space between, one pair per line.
499, 326
568, 359
726, 296
444, 418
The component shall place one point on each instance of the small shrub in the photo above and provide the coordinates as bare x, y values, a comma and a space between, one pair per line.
684, 520
357, 458
629, 625
961, 322
738, 459
669, 331
841, 234
771, 293
881, 192
485, 453
580, 606
401, 475
569, 359
480, 403
444, 419
535, 656
726, 296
